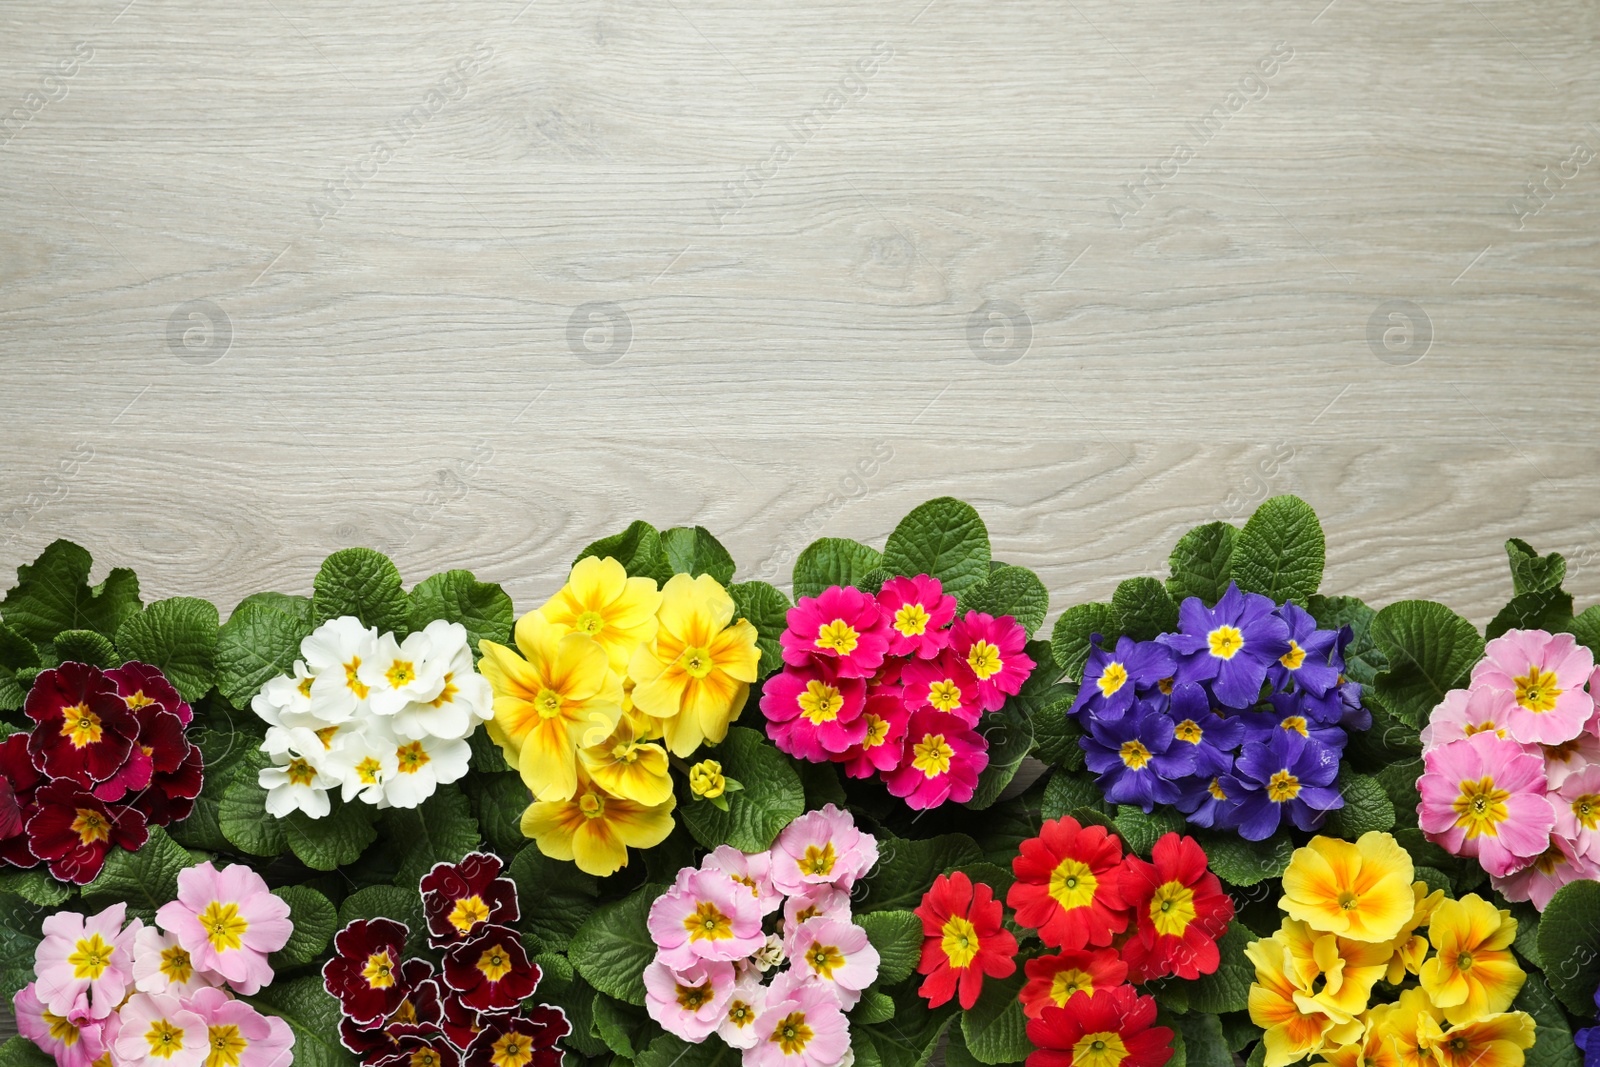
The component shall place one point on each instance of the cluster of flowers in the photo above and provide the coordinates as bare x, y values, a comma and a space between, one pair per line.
381, 720
1356, 919
1511, 766
398, 1013
607, 666
1115, 920
108, 758
105, 991
1182, 719
714, 949
894, 685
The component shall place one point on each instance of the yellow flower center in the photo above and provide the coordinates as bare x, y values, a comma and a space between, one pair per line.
227, 1045
1103, 1048
911, 620
1282, 787
411, 757
698, 662
325, 735
223, 925
823, 959
877, 731
368, 770
468, 912
589, 622
708, 923
741, 1014
1172, 909
137, 700
81, 726
1294, 657
91, 826
91, 959
305, 687
960, 941
792, 1033
379, 971
818, 861
1480, 807
547, 703
352, 682
1216, 790
1537, 690
932, 755
592, 806
176, 966
691, 997
1481, 728
495, 962
984, 659
1072, 884
447, 695
511, 1050
838, 636
300, 772
1189, 730
406, 1013
401, 672
1464, 961
166, 1040
1113, 678
1165, 685
945, 695
1295, 724
1065, 983
820, 703
424, 1057
1587, 810
1225, 641
1134, 754
62, 1029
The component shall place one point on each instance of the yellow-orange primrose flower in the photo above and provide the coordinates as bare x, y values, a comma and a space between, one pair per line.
1410, 947
1289, 1031
595, 829
1404, 1026
600, 600
547, 700
1472, 972
1372, 1049
1359, 890
624, 764
697, 672
1492, 1041
1333, 975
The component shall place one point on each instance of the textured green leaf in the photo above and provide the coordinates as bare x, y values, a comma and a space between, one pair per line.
767, 609
337, 838
312, 1014
1531, 572
53, 594
638, 549
498, 801
1586, 628
1203, 1041
692, 550
945, 538
20, 1052
260, 641
874, 1007
145, 879
231, 750
561, 987
1140, 832
554, 895
242, 817
315, 922
403, 905
1542, 609
613, 946
897, 935
1069, 641
1144, 608
1366, 807
17, 653
832, 561
179, 636
625, 1029
1055, 737
995, 1030
1229, 988
482, 608
1066, 792
1199, 562
35, 885
1009, 733
84, 646
772, 796
908, 1040
1281, 552
1553, 1045
1431, 650
439, 830
1569, 944
669, 1050
1362, 659
906, 868
1014, 591
1244, 863
363, 583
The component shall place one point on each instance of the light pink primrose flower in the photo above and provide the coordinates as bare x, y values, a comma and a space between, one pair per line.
818, 902
73, 1044
1576, 754
1549, 871
745, 1002
838, 955
752, 870
228, 921
84, 964
1484, 796
1577, 805
706, 915
1545, 674
801, 1025
918, 610
161, 965
690, 1003
158, 1031
237, 1033
821, 848
942, 761
1464, 712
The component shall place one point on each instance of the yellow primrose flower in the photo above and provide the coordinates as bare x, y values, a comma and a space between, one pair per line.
546, 702
706, 780
1492, 1041
1372, 1049
625, 765
1332, 975
1289, 1032
595, 829
1404, 1027
1472, 973
697, 672
1410, 947
1361, 891
600, 600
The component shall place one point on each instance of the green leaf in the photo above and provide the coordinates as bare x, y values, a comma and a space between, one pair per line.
439, 830
1366, 807
874, 1007
555, 897
1362, 660
1140, 832
20, 1052
766, 608
613, 946
363, 583
897, 935
1014, 591
53, 594
907, 1041
1066, 792
625, 1029
498, 801
1069, 641
314, 921
1569, 944
668, 1050
1245, 863
1199, 563
35, 885
944, 538
1280, 552
772, 796
1553, 1044
1203, 1041
1009, 733
1144, 608
84, 646
17, 653
832, 561
995, 1029
337, 838
1431, 650
1586, 628
1531, 572
482, 608
242, 817
145, 879
312, 1014
1055, 737
906, 869
575, 997
260, 641
403, 905
1542, 609
692, 550
1229, 988
179, 636
638, 549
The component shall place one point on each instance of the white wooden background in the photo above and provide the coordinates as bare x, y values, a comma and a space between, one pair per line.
798, 208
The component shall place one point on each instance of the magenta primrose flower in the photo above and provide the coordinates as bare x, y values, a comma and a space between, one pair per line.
821, 848
943, 758
918, 610
945, 684
689, 1003
992, 650
842, 628
814, 713
1484, 796
706, 915
1545, 674
84, 965
228, 921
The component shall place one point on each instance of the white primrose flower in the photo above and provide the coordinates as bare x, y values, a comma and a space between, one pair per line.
286, 699
464, 698
335, 652
364, 759
402, 672
298, 782
422, 765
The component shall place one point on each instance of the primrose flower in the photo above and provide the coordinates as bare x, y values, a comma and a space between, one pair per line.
298, 783
464, 699
1230, 646
1294, 1024
398, 673
942, 758
944, 683
458, 898
751, 870
992, 650
1361, 890
161, 965
1492, 1041
83, 965
1052, 980
1069, 885
600, 600
1484, 797
365, 972
72, 1042
73, 830
1135, 757
821, 848
334, 652
1472, 973
842, 627
238, 1034
1289, 775
1464, 712
918, 610
825, 902
1545, 674
228, 921
625, 765
799, 1026
1577, 808
882, 746
706, 915
527, 1037
837, 955
158, 1030
1181, 911
1312, 662
690, 1003
745, 1005
963, 940
491, 972
595, 829
812, 713
1108, 1026
1333, 974
85, 729
1405, 1028
1538, 880
1113, 679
